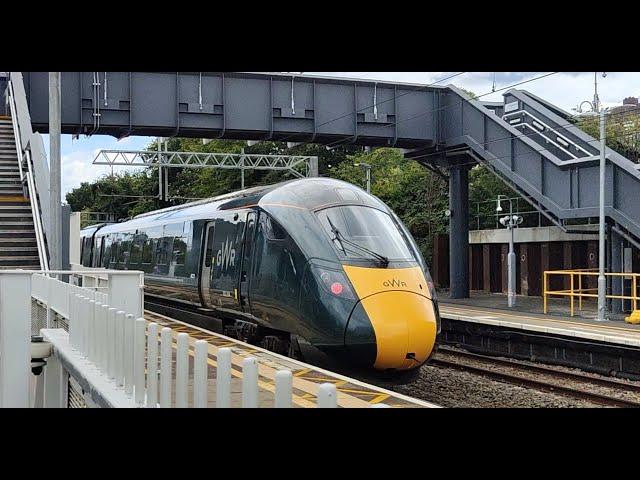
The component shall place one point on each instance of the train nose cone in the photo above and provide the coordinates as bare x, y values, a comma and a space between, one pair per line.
403, 327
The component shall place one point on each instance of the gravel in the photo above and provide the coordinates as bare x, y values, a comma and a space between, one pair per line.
449, 387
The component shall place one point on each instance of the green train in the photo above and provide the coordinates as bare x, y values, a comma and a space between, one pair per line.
306, 267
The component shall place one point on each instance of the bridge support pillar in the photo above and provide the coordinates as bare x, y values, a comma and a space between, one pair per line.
459, 231
617, 248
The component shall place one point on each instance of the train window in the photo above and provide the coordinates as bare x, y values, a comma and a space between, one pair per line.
209, 251
124, 249
113, 260
163, 254
173, 230
136, 250
365, 227
98, 252
147, 251
86, 251
106, 254
273, 229
179, 250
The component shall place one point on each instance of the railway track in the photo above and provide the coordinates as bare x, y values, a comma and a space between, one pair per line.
548, 378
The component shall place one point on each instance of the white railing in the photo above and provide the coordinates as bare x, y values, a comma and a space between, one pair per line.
110, 349
27, 143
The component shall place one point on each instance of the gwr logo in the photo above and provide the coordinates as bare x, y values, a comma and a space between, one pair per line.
394, 283
226, 256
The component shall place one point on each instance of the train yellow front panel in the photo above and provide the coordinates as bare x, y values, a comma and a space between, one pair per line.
404, 323
368, 281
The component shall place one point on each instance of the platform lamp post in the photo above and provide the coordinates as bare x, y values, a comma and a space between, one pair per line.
510, 221
602, 282
367, 168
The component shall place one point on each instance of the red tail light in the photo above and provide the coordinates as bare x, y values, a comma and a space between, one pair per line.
334, 282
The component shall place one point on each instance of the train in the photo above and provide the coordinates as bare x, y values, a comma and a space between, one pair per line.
306, 268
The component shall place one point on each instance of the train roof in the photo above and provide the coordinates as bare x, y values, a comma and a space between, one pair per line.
306, 193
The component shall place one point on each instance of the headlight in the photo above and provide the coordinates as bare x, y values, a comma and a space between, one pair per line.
334, 282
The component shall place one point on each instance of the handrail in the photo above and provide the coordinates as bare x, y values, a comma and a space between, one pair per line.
581, 293
16, 129
28, 176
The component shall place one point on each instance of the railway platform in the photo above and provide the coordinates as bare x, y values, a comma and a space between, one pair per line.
306, 379
491, 309
485, 324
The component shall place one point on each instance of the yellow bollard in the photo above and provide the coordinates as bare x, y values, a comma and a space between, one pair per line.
634, 318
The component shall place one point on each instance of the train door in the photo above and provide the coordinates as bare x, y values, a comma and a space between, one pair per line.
207, 265
247, 255
225, 269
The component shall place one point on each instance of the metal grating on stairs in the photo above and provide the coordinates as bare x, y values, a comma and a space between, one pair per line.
18, 247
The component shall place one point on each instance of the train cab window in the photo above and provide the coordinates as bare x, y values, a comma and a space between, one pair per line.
273, 229
364, 227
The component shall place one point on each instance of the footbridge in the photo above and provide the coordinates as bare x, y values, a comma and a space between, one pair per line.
529, 143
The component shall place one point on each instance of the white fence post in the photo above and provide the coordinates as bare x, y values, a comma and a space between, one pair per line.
139, 359
55, 383
119, 348
223, 378
249, 383
92, 331
327, 397
111, 342
72, 317
200, 377
165, 367
284, 380
15, 339
182, 370
104, 340
129, 333
84, 310
152, 365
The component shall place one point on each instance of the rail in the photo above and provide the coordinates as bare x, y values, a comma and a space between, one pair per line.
576, 289
22, 131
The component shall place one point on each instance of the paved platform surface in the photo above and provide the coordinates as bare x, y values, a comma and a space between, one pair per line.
492, 309
306, 378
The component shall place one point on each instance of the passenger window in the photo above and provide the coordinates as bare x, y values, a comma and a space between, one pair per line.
147, 251
114, 252
163, 253
136, 250
123, 251
209, 251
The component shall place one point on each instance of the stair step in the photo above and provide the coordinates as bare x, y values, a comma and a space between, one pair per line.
19, 261
21, 267
14, 201
18, 243
27, 234
16, 226
18, 252
15, 217
8, 191
5, 209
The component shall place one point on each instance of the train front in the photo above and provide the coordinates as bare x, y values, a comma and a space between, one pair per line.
395, 320
367, 296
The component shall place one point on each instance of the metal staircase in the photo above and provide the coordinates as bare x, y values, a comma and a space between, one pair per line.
533, 147
18, 246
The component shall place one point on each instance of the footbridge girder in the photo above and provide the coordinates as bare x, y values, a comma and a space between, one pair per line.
240, 106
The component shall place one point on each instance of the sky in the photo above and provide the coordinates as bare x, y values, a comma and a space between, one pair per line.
564, 89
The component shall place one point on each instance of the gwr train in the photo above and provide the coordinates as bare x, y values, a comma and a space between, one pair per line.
307, 266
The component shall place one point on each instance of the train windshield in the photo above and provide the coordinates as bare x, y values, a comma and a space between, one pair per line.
364, 227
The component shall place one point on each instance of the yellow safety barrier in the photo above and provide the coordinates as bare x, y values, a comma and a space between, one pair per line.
576, 290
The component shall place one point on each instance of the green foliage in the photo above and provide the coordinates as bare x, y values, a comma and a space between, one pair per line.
417, 195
